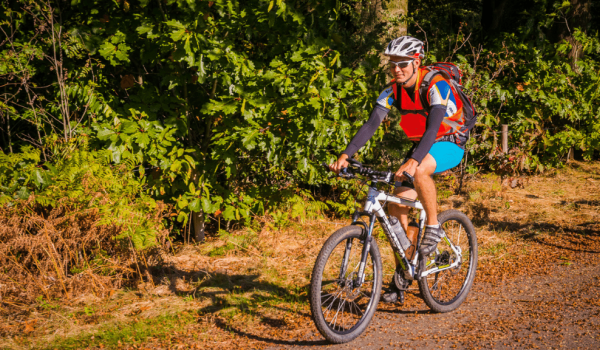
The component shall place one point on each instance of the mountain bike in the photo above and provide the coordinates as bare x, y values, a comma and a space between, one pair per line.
347, 277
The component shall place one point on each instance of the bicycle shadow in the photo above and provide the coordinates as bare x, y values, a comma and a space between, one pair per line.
221, 324
235, 294
410, 307
408, 311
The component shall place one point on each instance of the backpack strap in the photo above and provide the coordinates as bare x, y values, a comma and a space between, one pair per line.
395, 87
424, 87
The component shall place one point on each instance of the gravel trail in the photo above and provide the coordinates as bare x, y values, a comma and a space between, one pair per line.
560, 310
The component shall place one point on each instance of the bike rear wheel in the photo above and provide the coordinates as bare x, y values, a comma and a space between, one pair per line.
446, 290
341, 308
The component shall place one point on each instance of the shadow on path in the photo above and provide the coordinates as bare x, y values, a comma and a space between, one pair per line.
238, 332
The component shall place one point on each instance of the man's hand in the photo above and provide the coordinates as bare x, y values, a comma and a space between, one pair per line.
337, 166
410, 167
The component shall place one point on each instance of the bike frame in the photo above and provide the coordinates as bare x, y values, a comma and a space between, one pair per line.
373, 209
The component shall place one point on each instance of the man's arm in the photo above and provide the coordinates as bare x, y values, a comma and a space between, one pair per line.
363, 135
385, 101
367, 131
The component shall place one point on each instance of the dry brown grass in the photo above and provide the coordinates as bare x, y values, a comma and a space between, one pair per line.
60, 253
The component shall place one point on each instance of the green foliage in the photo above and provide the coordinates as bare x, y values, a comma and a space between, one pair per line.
227, 107
241, 241
81, 180
174, 89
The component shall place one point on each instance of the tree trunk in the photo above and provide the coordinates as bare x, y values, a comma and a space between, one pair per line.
579, 17
381, 12
395, 9
198, 225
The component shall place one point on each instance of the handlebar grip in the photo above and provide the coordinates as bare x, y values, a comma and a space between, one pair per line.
409, 178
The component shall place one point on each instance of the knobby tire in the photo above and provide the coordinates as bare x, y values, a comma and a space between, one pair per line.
359, 304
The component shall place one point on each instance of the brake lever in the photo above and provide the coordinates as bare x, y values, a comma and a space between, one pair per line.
409, 178
354, 162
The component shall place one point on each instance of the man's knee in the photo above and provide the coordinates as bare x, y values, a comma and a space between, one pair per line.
421, 174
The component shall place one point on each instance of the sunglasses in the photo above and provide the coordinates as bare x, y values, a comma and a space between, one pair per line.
401, 64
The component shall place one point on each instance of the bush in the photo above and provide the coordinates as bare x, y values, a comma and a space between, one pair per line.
74, 224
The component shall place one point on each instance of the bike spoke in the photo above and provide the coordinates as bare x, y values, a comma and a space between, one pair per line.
358, 308
337, 313
329, 296
328, 309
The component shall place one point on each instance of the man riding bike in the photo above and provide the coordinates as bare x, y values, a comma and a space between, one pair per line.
430, 124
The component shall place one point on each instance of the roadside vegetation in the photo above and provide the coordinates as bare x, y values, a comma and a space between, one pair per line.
249, 287
160, 159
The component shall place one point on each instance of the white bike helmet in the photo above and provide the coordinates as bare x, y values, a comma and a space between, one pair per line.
405, 46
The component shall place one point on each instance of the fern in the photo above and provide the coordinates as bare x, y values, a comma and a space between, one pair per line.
79, 179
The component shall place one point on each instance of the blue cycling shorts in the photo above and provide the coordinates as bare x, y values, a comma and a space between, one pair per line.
447, 155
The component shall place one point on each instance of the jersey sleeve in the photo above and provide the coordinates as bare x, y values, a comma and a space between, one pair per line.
386, 98
440, 94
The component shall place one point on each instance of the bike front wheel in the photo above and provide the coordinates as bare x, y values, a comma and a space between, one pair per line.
445, 287
341, 305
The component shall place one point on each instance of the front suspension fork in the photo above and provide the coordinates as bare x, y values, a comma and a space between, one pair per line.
367, 238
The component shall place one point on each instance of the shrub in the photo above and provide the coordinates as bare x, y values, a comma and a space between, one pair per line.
74, 224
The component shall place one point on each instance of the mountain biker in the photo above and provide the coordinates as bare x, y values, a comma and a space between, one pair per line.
437, 146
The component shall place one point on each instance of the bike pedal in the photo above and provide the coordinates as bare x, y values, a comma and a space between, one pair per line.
400, 297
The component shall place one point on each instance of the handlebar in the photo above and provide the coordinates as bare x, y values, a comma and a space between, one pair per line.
356, 168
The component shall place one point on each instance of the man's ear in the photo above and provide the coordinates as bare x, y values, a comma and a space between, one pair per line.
418, 62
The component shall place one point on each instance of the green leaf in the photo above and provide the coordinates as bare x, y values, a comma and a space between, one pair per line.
182, 203
190, 160
195, 205
207, 206
38, 179
175, 24
182, 217
229, 213
145, 28
129, 127
249, 140
142, 140
177, 35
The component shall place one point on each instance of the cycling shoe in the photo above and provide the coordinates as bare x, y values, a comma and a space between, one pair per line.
431, 238
393, 295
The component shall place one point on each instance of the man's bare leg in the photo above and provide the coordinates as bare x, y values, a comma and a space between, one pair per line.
426, 191
426, 188
401, 211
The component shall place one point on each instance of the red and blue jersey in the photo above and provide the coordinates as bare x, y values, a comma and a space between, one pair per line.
414, 114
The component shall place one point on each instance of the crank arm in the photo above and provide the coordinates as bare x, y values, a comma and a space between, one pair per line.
440, 269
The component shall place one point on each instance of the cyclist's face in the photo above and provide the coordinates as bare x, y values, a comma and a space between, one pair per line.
400, 71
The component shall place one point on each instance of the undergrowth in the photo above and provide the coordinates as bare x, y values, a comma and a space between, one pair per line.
73, 224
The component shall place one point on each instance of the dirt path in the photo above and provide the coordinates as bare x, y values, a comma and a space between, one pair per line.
552, 311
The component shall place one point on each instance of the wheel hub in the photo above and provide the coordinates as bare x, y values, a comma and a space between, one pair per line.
351, 286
